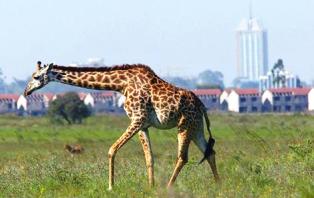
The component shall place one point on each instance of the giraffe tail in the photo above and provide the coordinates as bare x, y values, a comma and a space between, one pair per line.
211, 141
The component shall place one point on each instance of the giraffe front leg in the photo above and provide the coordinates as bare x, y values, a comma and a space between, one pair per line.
183, 147
145, 140
127, 135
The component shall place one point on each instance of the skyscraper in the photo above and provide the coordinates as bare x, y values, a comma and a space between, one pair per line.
252, 49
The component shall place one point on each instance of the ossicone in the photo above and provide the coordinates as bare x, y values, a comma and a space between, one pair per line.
38, 65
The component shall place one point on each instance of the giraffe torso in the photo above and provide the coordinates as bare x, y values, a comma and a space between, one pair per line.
163, 104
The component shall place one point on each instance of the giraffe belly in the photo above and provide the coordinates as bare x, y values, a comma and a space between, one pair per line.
163, 121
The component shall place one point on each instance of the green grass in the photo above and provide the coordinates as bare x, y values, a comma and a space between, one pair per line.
257, 156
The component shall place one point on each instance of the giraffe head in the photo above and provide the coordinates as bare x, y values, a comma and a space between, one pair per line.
39, 79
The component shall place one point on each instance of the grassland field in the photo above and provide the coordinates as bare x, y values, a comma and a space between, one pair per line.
257, 156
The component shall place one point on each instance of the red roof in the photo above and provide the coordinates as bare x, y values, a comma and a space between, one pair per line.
49, 95
292, 91
9, 97
228, 90
38, 97
216, 92
102, 94
81, 95
301, 91
247, 91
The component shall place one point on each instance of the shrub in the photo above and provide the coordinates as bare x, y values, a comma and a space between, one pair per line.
68, 107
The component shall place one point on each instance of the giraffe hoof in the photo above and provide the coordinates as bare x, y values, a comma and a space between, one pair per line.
110, 188
218, 181
169, 186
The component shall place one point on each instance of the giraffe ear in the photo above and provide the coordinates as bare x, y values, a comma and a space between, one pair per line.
38, 65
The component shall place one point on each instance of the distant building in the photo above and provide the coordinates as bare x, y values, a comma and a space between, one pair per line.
224, 105
96, 62
244, 100
311, 99
210, 98
100, 102
288, 100
91, 62
252, 49
268, 81
276, 100
8, 103
35, 104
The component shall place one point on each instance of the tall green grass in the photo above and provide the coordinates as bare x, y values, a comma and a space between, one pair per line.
257, 156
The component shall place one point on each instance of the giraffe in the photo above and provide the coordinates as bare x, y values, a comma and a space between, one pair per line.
150, 102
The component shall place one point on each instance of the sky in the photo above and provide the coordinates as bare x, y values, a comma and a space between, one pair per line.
177, 37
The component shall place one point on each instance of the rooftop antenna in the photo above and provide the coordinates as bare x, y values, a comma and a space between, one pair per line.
250, 10
250, 15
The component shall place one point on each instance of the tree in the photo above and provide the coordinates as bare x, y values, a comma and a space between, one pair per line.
244, 83
210, 79
181, 82
68, 107
278, 73
17, 86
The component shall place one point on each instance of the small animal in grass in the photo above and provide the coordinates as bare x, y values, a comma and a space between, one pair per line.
74, 149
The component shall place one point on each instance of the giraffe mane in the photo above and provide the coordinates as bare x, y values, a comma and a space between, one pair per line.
100, 69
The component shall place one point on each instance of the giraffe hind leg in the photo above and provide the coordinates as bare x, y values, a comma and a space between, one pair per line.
182, 158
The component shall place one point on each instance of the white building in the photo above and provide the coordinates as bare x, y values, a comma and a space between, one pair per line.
209, 97
8, 103
101, 102
267, 81
35, 104
311, 99
252, 49
244, 100
288, 100
224, 106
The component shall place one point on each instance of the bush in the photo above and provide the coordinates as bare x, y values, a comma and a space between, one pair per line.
68, 107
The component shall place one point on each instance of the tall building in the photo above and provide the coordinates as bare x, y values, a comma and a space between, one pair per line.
252, 49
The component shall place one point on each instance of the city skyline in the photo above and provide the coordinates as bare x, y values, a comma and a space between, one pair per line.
176, 38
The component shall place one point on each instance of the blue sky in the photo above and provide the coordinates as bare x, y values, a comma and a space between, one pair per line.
174, 37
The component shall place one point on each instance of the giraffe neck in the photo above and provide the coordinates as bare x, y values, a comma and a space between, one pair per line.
91, 78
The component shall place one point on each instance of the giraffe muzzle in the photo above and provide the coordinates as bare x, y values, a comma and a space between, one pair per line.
28, 91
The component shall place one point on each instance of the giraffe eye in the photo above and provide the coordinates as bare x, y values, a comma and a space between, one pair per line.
36, 77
